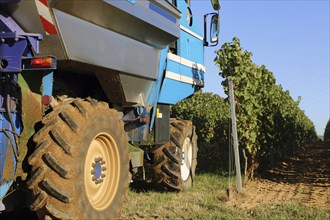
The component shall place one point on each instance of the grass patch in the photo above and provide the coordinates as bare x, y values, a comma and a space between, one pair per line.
207, 200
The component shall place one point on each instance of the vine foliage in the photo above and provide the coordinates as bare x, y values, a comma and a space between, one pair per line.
270, 123
209, 113
327, 134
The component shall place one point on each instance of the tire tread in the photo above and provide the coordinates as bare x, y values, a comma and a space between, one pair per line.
55, 165
55, 191
57, 137
166, 165
69, 121
59, 214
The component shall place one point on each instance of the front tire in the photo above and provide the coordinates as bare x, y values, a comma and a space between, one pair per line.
80, 167
174, 163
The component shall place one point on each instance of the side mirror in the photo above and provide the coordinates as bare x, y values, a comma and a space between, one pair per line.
212, 38
214, 28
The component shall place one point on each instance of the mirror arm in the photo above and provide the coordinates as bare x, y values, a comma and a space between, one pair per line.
205, 34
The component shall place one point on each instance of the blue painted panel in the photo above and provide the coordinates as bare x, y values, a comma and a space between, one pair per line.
6, 150
47, 83
156, 87
188, 47
191, 72
3, 145
195, 27
191, 48
4, 142
173, 66
174, 91
154, 92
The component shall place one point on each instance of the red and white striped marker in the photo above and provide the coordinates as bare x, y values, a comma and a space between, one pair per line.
45, 17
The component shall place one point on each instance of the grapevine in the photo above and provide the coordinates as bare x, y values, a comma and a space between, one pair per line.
270, 123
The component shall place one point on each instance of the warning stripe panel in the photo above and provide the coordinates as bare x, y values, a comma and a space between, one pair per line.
44, 2
45, 16
49, 27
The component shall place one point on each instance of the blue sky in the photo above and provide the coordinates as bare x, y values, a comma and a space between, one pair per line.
291, 38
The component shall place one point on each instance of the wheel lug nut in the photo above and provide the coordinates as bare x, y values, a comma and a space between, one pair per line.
93, 172
93, 165
104, 168
94, 178
99, 181
102, 162
102, 175
98, 159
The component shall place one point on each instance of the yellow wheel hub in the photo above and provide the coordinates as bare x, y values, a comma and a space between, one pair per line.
102, 169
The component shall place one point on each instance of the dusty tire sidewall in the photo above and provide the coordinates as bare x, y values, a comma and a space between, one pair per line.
170, 179
98, 124
188, 133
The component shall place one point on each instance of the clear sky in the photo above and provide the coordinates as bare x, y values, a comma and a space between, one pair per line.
291, 38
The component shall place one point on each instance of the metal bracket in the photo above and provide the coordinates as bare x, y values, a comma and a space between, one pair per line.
13, 44
47, 88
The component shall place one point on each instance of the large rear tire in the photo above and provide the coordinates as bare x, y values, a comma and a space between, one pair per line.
174, 163
80, 167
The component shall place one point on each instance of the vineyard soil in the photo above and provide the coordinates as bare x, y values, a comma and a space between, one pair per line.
303, 179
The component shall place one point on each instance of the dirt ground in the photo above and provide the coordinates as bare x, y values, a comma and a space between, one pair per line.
303, 179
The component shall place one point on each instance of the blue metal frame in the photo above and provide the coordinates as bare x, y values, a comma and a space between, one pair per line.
155, 91
47, 83
10, 128
191, 48
14, 44
169, 91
